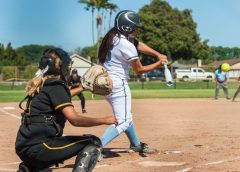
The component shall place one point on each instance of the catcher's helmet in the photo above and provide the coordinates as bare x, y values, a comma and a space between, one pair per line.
127, 21
48, 60
74, 71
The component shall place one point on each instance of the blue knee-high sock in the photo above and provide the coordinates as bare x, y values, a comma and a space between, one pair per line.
110, 133
132, 136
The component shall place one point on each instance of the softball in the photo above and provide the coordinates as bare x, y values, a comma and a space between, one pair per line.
225, 67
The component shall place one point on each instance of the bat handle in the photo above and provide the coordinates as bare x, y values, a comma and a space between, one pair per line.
165, 65
165, 62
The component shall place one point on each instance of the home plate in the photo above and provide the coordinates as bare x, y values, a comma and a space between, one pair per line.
8, 108
161, 163
100, 166
173, 152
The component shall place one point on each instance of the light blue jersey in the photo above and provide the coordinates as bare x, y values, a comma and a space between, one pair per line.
220, 75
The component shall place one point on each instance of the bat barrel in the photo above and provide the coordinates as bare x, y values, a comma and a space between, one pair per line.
169, 83
168, 76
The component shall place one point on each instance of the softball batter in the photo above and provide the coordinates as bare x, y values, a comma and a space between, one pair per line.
117, 54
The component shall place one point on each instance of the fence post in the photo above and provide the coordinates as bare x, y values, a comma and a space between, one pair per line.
143, 79
175, 83
208, 83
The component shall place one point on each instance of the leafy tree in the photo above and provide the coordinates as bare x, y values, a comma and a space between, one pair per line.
9, 72
9, 57
236, 52
2, 56
30, 71
90, 51
1, 52
171, 31
77, 51
221, 53
32, 52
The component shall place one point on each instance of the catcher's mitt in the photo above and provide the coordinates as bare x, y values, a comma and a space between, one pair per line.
97, 80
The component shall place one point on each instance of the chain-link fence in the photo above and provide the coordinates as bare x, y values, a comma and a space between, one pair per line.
12, 76
17, 73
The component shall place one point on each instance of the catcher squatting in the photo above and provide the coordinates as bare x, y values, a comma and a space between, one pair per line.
40, 143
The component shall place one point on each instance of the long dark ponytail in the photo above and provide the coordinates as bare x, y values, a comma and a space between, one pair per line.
106, 44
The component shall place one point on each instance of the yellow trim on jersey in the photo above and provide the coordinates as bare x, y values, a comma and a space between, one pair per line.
62, 147
76, 84
61, 105
30, 107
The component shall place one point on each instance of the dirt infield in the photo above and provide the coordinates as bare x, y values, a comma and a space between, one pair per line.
190, 134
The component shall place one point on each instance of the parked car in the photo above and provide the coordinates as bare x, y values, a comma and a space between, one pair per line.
155, 74
193, 74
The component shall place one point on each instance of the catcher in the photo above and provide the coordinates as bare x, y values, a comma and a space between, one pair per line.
39, 143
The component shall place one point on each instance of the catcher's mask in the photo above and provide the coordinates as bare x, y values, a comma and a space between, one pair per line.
47, 60
127, 21
74, 71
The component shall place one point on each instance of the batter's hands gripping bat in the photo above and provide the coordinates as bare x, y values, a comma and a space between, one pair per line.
168, 75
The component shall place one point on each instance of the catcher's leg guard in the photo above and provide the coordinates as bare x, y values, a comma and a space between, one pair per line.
86, 159
93, 140
23, 168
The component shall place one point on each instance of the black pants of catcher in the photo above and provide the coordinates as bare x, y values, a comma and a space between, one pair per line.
43, 156
82, 98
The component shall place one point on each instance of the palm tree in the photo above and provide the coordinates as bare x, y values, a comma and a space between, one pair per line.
112, 8
100, 4
90, 5
96, 4
104, 13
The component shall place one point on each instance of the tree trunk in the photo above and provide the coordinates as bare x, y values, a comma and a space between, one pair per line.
99, 26
93, 37
110, 19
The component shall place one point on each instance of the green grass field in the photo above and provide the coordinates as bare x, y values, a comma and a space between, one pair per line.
149, 90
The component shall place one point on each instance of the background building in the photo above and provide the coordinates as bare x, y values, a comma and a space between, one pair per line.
235, 67
81, 64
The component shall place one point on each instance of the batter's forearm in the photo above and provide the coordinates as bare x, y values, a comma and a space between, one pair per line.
149, 68
82, 121
145, 49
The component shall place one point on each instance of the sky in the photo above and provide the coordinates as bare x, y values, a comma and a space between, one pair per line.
65, 23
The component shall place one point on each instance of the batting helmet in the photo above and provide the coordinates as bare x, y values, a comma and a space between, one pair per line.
127, 21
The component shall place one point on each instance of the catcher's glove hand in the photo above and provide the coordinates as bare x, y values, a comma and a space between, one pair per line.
97, 80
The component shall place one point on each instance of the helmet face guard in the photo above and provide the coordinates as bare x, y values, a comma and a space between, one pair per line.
74, 71
48, 60
65, 70
66, 63
127, 21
